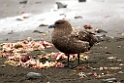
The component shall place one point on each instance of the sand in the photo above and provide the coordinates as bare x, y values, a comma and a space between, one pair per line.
100, 67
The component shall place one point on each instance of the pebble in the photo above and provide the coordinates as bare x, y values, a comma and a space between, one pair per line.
61, 5
110, 80
82, 0
119, 46
23, 2
37, 31
43, 25
122, 34
78, 17
33, 75
43, 34
111, 58
121, 72
121, 64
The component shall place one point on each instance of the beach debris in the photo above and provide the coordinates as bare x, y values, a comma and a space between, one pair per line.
106, 48
23, 46
82, 67
25, 58
59, 65
112, 58
11, 62
26, 15
94, 74
17, 54
23, 17
82, 74
15, 57
97, 30
44, 34
119, 46
120, 72
33, 75
107, 68
110, 80
59, 56
3, 65
121, 64
46, 44
61, 5
97, 75
39, 65
101, 75
88, 26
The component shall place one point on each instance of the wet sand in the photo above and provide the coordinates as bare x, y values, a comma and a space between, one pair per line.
110, 47
98, 59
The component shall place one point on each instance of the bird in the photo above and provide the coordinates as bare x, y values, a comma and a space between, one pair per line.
71, 40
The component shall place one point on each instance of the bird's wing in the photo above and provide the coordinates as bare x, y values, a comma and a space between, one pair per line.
84, 35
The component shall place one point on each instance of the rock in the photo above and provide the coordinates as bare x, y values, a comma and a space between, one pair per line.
37, 31
97, 30
11, 32
101, 37
78, 17
120, 72
19, 19
82, 0
23, 2
43, 25
38, 2
33, 75
122, 34
110, 80
61, 5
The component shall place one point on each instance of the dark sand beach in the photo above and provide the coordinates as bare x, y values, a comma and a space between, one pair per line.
106, 59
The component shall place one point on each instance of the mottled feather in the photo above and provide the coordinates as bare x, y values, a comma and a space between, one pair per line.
69, 40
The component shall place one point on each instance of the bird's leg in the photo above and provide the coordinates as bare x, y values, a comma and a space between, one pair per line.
67, 64
77, 63
68, 59
78, 58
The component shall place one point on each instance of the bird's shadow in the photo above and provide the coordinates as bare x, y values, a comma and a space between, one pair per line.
74, 64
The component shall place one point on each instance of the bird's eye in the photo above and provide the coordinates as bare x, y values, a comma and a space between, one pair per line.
57, 23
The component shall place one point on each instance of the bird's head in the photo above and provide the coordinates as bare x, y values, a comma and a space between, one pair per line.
61, 24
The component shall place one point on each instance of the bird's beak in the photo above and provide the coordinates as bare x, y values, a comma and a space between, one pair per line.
51, 26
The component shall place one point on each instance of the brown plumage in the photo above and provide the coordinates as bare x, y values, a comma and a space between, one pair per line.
71, 41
